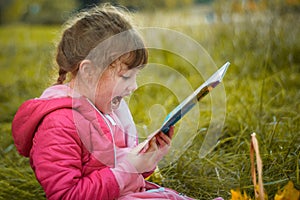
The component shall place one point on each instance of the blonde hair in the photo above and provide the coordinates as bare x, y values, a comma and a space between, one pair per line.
84, 33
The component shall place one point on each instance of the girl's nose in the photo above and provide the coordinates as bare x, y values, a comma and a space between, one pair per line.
133, 86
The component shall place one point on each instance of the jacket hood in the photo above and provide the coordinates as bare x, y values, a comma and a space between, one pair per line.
31, 112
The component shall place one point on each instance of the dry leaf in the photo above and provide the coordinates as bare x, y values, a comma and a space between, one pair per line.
237, 195
288, 193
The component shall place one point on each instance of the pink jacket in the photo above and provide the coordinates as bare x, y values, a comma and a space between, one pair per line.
75, 151
70, 147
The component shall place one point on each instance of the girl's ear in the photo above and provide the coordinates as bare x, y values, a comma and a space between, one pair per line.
86, 68
88, 72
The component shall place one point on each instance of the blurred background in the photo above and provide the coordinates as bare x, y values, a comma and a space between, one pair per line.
56, 12
259, 37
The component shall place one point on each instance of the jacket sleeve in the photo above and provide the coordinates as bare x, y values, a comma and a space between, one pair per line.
56, 158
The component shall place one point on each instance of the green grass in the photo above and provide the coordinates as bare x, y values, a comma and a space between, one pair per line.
26, 63
262, 96
25, 66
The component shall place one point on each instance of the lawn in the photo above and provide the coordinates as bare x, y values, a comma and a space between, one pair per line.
260, 93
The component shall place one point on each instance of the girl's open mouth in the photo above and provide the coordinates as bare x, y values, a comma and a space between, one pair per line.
115, 102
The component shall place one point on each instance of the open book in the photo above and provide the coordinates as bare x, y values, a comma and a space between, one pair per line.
176, 114
188, 103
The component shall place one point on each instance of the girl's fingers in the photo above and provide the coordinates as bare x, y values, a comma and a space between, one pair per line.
160, 140
152, 145
166, 138
163, 139
171, 132
140, 147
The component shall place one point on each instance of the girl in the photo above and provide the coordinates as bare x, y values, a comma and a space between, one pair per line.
80, 135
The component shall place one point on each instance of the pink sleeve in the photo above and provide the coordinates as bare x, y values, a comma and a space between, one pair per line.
124, 116
56, 158
128, 179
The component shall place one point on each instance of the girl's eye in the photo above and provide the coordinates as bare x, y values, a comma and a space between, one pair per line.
125, 77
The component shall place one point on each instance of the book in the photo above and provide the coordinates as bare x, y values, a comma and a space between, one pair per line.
188, 103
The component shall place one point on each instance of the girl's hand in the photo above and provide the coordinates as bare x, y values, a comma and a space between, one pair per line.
164, 142
165, 139
147, 160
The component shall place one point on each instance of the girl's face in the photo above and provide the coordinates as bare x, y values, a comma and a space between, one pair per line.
115, 83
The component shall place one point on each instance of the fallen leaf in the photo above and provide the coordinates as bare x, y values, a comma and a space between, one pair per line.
288, 193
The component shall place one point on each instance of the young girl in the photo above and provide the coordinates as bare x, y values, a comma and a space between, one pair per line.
80, 135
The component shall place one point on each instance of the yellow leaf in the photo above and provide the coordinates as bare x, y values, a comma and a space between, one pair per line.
288, 193
237, 195
156, 177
